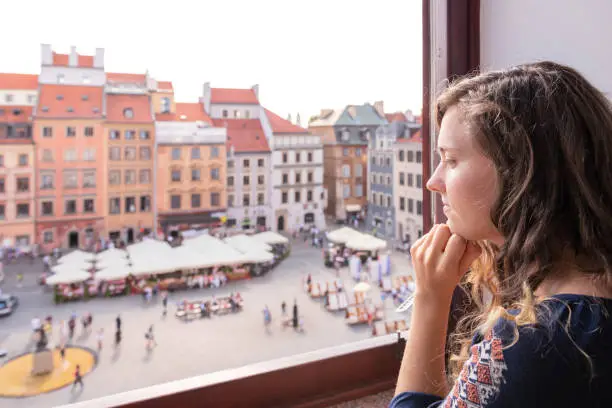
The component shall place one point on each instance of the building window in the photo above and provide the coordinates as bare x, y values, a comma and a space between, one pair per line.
114, 153
298, 157
215, 199
89, 154
410, 205
176, 153
214, 152
419, 180
130, 204
88, 205
388, 180
230, 200
285, 178
114, 177
358, 190
410, 181
130, 153
402, 179
195, 201
224, 113
388, 162
374, 198
298, 178
247, 114
309, 195
144, 176
400, 155
195, 174
285, 158
145, 203
47, 208
89, 131
130, 177
419, 207
129, 134
48, 237
246, 180
297, 195
114, 206
419, 157
260, 163
128, 113
70, 131
346, 170
47, 131
246, 163
175, 202
230, 164
23, 184
46, 182
145, 153
309, 157
246, 200
373, 160
261, 180
144, 135
114, 135
70, 179
358, 170
380, 200
230, 181
260, 199
284, 197
165, 105
23, 160
8, 98
70, 206
89, 179
310, 177
195, 153
402, 204
23, 210
70, 155
345, 152
60, 78
175, 176
389, 201
346, 190
410, 156
2, 211
215, 173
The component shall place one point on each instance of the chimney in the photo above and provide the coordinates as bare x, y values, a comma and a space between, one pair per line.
380, 108
73, 59
206, 97
46, 54
99, 58
255, 89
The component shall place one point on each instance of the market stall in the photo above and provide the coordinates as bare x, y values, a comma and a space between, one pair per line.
69, 285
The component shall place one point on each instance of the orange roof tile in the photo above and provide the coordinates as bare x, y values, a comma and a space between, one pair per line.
15, 114
416, 138
165, 85
64, 101
185, 112
280, 125
140, 105
125, 78
83, 61
233, 96
18, 81
396, 117
244, 135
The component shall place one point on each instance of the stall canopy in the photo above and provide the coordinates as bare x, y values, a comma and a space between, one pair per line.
259, 256
69, 267
111, 256
114, 272
365, 242
343, 235
271, 238
216, 251
77, 256
245, 243
74, 276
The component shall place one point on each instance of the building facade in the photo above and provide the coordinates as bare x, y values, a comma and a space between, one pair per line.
298, 196
408, 186
345, 135
191, 170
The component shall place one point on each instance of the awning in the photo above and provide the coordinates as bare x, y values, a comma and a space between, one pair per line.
353, 208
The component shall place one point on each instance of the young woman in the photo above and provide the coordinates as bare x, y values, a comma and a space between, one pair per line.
525, 176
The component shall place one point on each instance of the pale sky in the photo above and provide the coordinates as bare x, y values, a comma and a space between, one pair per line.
304, 54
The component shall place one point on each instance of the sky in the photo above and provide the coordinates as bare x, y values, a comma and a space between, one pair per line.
306, 55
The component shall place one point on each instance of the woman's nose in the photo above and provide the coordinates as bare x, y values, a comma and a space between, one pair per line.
435, 182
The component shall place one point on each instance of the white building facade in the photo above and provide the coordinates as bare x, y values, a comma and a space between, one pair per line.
408, 188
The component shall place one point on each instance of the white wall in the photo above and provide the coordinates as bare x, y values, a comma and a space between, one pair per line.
72, 75
216, 111
576, 33
20, 97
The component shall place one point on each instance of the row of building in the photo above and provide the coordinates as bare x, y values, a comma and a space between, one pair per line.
88, 154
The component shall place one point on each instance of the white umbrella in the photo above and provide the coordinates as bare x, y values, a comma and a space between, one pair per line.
342, 235
67, 268
270, 237
366, 243
362, 287
68, 277
77, 256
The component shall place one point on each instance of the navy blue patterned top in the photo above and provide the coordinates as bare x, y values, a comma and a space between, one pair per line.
544, 368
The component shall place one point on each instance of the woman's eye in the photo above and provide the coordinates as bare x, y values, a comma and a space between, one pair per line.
450, 162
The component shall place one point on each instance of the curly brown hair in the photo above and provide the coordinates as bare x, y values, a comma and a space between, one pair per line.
548, 132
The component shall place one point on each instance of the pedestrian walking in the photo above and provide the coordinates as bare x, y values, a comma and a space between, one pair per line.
150, 337
284, 308
62, 352
118, 322
295, 314
19, 279
267, 316
100, 339
117, 338
164, 302
71, 326
78, 378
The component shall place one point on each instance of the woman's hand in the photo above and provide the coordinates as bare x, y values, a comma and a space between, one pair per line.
440, 259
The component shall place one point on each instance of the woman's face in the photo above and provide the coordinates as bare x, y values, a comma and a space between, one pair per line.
466, 180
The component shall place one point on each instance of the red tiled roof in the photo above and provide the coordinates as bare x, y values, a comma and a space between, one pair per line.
416, 138
244, 135
396, 117
236, 96
125, 78
18, 81
185, 112
117, 104
165, 85
15, 114
85, 101
83, 61
280, 125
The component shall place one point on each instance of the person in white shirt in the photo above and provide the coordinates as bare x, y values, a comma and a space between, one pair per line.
35, 323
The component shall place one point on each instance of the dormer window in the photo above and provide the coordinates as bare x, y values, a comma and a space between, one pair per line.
365, 134
69, 109
165, 105
128, 113
346, 135
60, 97
84, 97
17, 112
224, 113
60, 78
45, 109
86, 79
96, 110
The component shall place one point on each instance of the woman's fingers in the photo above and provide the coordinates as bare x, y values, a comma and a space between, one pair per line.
440, 239
454, 251
471, 253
